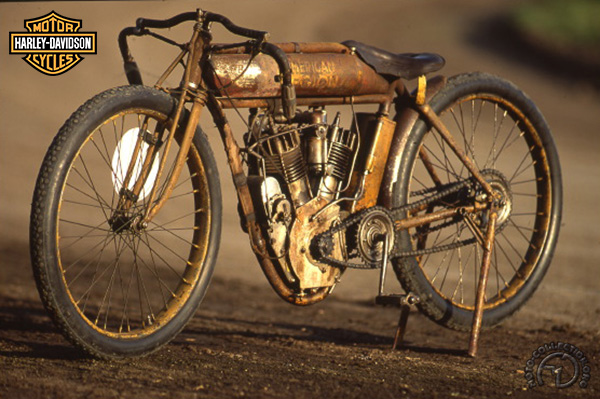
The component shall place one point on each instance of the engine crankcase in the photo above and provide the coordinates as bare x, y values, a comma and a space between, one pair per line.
310, 272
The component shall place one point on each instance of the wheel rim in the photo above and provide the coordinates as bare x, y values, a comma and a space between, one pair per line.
498, 137
127, 282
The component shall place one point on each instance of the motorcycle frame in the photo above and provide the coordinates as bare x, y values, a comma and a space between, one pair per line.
195, 89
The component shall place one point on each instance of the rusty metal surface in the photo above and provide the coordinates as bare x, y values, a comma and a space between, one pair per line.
192, 69
271, 268
234, 158
293, 47
184, 148
435, 121
401, 329
313, 75
424, 156
421, 220
313, 274
306, 101
405, 119
481, 286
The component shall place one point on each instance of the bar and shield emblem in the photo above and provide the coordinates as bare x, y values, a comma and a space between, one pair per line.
53, 44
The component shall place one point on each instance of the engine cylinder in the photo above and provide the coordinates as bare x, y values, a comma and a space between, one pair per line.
283, 157
342, 145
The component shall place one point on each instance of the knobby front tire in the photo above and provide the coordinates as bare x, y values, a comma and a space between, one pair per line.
112, 289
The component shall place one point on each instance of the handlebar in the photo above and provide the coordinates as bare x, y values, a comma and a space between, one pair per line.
141, 28
207, 17
233, 28
143, 23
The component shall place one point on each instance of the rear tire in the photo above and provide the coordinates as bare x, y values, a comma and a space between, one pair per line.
503, 131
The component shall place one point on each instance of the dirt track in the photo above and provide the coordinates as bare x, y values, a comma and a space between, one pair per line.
244, 341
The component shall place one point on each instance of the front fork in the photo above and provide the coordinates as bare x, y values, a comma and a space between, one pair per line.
189, 84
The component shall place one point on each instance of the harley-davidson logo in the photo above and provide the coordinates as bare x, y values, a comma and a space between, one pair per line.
53, 43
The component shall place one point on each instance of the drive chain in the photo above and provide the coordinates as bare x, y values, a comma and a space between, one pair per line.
395, 214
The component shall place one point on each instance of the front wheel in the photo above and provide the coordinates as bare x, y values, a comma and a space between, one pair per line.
501, 130
116, 288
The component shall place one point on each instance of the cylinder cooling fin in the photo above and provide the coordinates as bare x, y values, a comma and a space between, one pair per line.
341, 144
283, 156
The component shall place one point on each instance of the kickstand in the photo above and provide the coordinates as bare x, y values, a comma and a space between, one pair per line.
404, 301
408, 300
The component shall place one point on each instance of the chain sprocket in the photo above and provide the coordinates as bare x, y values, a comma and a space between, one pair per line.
371, 231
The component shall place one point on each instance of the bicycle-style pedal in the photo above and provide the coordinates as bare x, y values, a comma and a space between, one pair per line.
397, 300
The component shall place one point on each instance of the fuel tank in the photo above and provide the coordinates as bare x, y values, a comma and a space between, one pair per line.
319, 70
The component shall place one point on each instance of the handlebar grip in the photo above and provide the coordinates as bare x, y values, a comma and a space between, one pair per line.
233, 28
142, 23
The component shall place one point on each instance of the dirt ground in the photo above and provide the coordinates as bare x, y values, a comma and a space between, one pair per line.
244, 341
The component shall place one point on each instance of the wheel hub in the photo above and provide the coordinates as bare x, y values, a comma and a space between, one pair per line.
122, 223
503, 202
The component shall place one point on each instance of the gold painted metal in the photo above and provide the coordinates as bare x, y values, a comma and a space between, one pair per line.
421, 90
429, 166
544, 208
374, 166
125, 202
191, 70
170, 69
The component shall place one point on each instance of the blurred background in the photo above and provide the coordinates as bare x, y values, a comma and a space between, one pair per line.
548, 48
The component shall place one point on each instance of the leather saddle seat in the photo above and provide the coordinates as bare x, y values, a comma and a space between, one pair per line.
406, 65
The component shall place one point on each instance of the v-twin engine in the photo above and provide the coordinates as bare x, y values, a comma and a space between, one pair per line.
297, 171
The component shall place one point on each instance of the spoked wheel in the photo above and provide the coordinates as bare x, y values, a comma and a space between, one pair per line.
115, 286
506, 136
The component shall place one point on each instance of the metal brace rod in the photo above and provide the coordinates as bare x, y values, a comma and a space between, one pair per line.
483, 278
447, 136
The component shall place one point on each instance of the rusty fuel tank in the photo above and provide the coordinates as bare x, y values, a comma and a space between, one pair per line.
319, 70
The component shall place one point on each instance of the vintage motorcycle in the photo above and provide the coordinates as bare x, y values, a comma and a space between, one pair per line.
460, 191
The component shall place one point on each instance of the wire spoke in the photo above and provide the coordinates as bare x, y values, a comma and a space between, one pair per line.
82, 192
80, 237
93, 187
84, 225
445, 169
508, 258
68, 201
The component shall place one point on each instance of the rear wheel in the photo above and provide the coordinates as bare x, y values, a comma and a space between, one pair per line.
505, 135
114, 287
